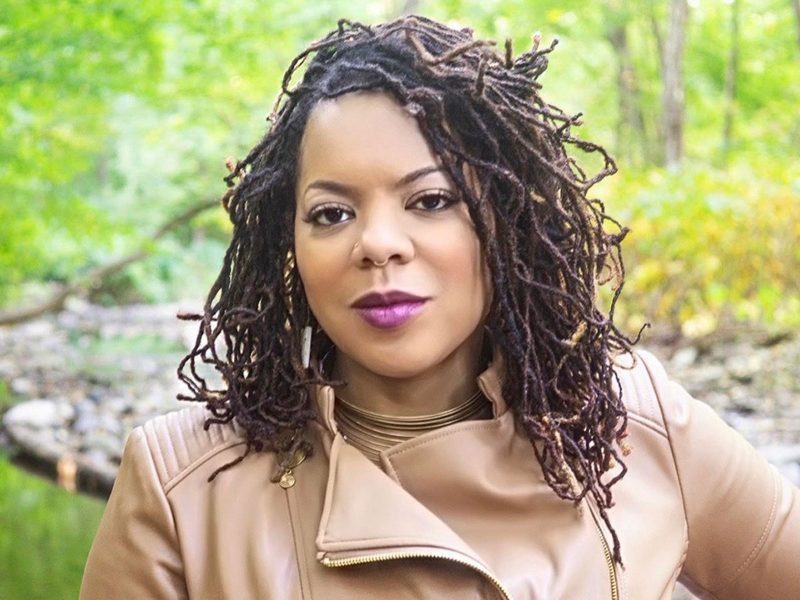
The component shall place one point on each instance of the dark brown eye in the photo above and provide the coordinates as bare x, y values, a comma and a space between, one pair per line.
433, 201
328, 215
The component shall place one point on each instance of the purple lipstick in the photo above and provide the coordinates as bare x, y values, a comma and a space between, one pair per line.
388, 310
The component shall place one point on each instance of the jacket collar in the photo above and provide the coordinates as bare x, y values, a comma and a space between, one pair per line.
368, 511
490, 382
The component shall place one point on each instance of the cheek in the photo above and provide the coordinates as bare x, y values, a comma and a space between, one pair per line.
310, 265
321, 263
461, 267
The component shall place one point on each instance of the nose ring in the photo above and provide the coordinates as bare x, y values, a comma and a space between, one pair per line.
379, 265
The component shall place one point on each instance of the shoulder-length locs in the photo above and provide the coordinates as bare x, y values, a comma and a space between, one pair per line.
543, 239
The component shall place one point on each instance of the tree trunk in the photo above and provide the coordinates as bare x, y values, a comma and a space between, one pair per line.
409, 7
630, 131
731, 74
656, 29
672, 78
796, 5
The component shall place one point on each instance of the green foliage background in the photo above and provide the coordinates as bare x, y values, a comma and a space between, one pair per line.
116, 115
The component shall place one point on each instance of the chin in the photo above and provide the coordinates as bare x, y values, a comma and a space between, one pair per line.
398, 364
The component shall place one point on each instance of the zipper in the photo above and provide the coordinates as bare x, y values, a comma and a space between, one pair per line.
451, 556
612, 572
362, 560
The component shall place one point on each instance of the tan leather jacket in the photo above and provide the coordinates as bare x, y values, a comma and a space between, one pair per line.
462, 512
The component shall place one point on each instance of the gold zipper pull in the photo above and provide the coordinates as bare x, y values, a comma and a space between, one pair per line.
287, 479
284, 472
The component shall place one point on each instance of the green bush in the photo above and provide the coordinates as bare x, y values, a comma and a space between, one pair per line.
710, 246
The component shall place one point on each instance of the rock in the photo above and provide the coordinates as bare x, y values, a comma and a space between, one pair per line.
22, 386
39, 414
791, 471
744, 367
104, 442
36, 329
707, 373
85, 422
684, 357
109, 423
78, 306
96, 394
61, 435
117, 405
95, 458
90, 393
7, 367
781, 454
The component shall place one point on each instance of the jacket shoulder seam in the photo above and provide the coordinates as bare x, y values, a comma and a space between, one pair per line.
653, 426
170, 484
639, 394
649, 369
178, 443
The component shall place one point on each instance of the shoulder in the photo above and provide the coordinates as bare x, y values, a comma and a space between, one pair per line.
644, 384
178, 443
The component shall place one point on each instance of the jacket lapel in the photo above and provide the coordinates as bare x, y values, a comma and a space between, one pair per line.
366, 512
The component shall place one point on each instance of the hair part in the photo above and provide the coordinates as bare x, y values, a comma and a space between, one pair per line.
543, 239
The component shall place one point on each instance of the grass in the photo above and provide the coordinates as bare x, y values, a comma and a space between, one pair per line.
46, 532
45, 535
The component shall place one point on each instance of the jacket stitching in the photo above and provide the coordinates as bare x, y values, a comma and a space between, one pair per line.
151, 440
655, 390
391, 471
173, 481
625, 385
432, 543
759, 544
143, 437
644, 422
184, 447
650, 391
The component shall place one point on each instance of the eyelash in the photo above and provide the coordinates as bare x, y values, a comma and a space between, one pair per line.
315, 213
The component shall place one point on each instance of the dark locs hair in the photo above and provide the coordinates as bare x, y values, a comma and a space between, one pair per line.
543, 240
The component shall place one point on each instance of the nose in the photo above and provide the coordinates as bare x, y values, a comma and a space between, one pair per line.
382, 237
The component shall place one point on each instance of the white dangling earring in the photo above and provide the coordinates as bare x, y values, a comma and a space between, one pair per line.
306, 349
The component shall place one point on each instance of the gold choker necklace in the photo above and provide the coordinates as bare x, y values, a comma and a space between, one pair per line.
371, 432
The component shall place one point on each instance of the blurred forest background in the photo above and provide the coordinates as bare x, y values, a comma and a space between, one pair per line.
116, 118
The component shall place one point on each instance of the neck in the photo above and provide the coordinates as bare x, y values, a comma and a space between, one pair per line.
444, 385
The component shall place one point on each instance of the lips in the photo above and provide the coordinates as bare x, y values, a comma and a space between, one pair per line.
377, 299
388, 310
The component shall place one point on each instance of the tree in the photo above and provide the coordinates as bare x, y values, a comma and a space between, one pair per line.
731, 75
630, 129
796, 6
673, 84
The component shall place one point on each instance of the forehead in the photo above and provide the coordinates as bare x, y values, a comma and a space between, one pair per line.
362, 135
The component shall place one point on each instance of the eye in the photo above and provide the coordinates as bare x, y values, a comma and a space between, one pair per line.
432, 201
326, 215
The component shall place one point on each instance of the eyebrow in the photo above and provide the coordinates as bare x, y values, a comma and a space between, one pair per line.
341, 188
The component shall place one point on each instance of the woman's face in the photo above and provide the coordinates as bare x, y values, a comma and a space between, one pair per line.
390, 262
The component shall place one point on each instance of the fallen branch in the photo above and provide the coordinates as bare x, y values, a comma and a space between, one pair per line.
96, 275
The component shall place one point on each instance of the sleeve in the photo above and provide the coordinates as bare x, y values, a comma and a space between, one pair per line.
135, 553
743, 517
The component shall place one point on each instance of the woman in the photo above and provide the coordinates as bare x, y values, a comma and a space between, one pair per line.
422, 398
